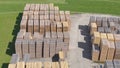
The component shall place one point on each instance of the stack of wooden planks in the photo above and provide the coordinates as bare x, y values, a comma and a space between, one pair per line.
44, 31
112, 64
105, 38
38, 64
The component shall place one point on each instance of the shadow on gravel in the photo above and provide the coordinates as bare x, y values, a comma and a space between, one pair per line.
87, 44
11, 45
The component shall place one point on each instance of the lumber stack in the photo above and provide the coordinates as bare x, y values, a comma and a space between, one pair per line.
112, 64
44, 31
26, 62
105, 38
38, 64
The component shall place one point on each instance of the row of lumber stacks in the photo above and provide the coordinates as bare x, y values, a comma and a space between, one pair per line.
47, 64
42, 19
44, 31
105, 38
40, 47
26, 62
112, 64
105, 24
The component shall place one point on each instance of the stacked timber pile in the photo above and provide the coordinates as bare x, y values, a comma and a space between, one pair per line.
112, 64
47, 64
44, 31
27, 63
105, 37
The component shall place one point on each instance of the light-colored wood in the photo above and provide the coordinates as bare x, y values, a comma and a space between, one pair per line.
96, 38
55, 65
47, 64
12, 66
95, 52
61, 55
117, 37
38, 65
104, 49
111, 50
103, 35
93, 28
21, 65
110, 37
65, 26
64, 64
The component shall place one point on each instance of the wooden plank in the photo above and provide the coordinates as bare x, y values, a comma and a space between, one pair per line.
63, 64
54, 27
101, 29
52, 47
46, 17
59, 26
18, 47
112, 25
25, 47
66, 37
30, 26
26, 58
36, 25
25, 17
104, 49
93, 28
32, 7
39, 48
92, 19
111, 50
36, 17
38, 64
28, 35
103, 36
110, 37
55, 65
23, 24
117, 51
15, 58
65, 26
57, 18
95, 52
117, 37
62, 18
37, 8
107, 30
47, 64
21, 65
47, 25
46, 48
12, 66
31, 16
96, 38
99, 21
20, 35
42, 25
116, 63
47, 35
37, 35
61, 56
32, 48
108, 64
27, 7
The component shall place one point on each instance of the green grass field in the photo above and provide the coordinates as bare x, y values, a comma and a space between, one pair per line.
10, 9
